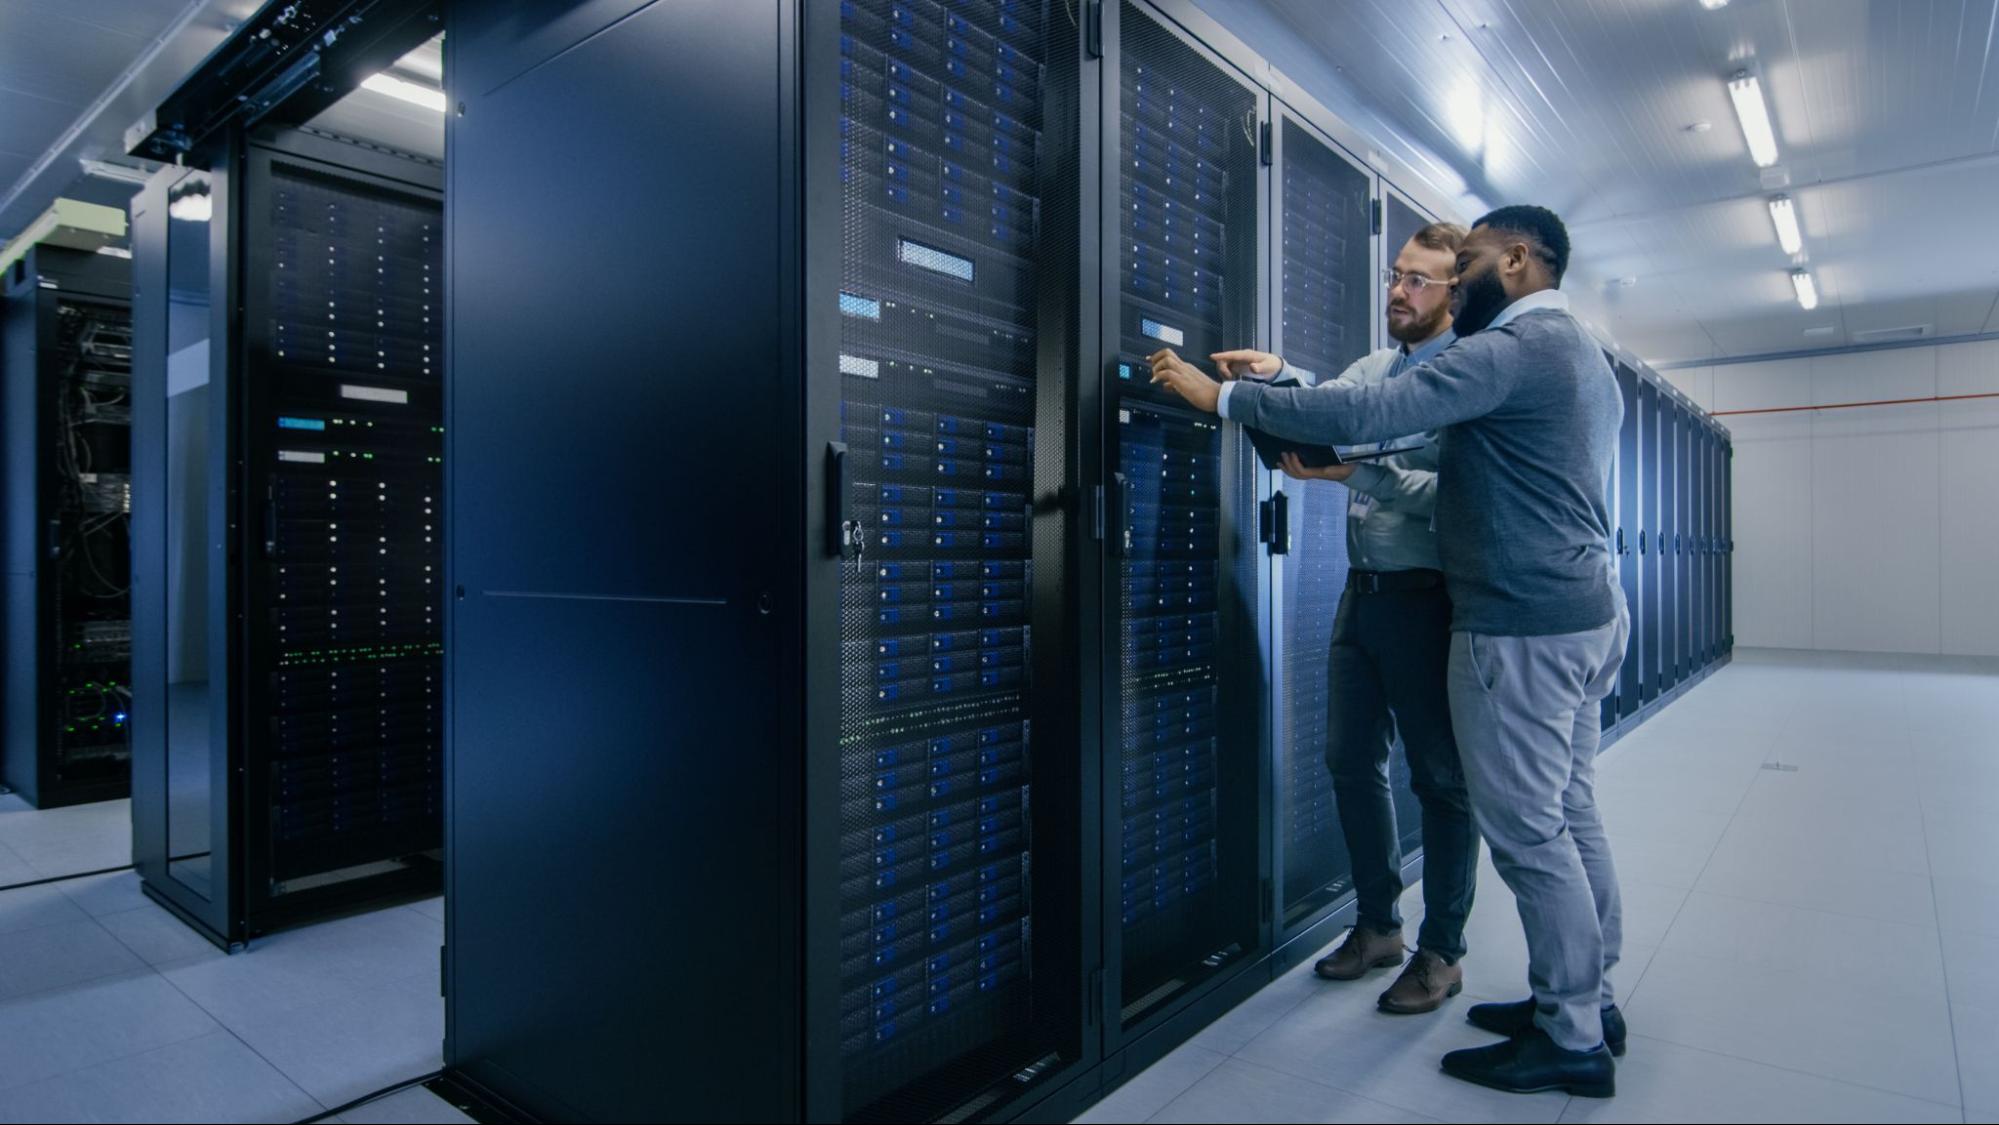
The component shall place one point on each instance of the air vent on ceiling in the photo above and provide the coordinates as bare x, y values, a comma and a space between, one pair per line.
1884, 335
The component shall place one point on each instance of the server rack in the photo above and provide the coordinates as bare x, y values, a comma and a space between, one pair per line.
860, 670
1183, 738
67, 381
1401, 218
288, 633
1629, 567
1324, 296
1683, 534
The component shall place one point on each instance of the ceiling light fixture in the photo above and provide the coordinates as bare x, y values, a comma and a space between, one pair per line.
1785, 217
1711, 5
1747, 94
1808, 293
122, 173
425, 96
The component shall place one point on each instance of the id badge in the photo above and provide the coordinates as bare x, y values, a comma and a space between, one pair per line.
1359, 504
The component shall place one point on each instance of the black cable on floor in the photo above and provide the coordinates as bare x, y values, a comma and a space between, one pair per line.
64, 878
364, 1099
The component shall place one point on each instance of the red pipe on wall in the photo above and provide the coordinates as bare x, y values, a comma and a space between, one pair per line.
1850, 405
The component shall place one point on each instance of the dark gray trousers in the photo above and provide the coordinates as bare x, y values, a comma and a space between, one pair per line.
1389, 670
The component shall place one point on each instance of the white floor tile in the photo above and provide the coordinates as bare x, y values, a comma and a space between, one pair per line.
432, 908
156, 936
341, 1050
211, 1078
69, 840
99, 895
60, 955
1666, 1082
1152, 1089
1340, 1040
1840, 947
25, 908
1971, 964
1250, 1018
411, 1107
1873, 1035
14, 869
1242, 1091
54, 1032
310, 967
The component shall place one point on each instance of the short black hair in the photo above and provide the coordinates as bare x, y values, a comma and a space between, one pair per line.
1542, 228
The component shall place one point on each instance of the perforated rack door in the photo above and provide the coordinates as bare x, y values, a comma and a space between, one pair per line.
1183, 852
959, 183
1630, 473
344, 362
1326, 274
1400, 221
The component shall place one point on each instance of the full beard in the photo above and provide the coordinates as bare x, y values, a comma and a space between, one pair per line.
1417, 331
1480, 299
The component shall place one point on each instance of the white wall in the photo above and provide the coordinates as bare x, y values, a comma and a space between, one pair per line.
1873, 529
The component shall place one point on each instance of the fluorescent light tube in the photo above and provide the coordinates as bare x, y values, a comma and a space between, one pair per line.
1785, 217
410, 92
1747, 94
1808, 294
122, 173
1711, 5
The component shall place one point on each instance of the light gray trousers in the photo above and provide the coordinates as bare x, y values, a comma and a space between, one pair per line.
1527, 712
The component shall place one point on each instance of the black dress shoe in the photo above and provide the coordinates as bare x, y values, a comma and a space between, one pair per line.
1517, 1018
1533, 1064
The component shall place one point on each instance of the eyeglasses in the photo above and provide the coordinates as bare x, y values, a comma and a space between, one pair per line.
1415, 282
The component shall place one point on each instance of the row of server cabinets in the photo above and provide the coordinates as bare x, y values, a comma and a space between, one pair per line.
869, 698
66, 423
1673, 542
287, 539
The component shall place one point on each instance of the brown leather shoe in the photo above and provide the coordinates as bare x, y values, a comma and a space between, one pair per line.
1363, 950
1424, 985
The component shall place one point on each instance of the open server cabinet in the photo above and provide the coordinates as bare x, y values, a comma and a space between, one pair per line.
900, 736
66, 376
287, 551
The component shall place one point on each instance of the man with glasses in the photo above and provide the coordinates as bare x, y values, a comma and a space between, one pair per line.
1390, 654
1530, 413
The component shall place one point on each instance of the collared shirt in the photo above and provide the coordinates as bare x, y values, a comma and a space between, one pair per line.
1544, 299
1530, 412
1391, 501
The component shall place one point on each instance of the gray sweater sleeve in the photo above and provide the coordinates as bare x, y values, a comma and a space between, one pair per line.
1405, 483
1461, 383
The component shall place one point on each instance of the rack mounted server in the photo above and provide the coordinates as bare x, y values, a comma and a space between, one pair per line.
67, 376
289, 541
925, 719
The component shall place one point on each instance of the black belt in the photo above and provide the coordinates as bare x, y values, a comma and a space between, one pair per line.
1393, 581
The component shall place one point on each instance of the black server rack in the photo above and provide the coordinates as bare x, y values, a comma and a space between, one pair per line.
1672, 456
1728, 546
1683, 523
66, 377
1630, 476
1325, 277
288, 657
1646, 617
1182, 736
820, 582
1400, 220
1702, 544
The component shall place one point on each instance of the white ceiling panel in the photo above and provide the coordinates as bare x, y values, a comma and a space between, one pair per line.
1886, 111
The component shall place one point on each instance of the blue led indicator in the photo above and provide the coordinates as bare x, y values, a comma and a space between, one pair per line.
854, 305
301, 423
